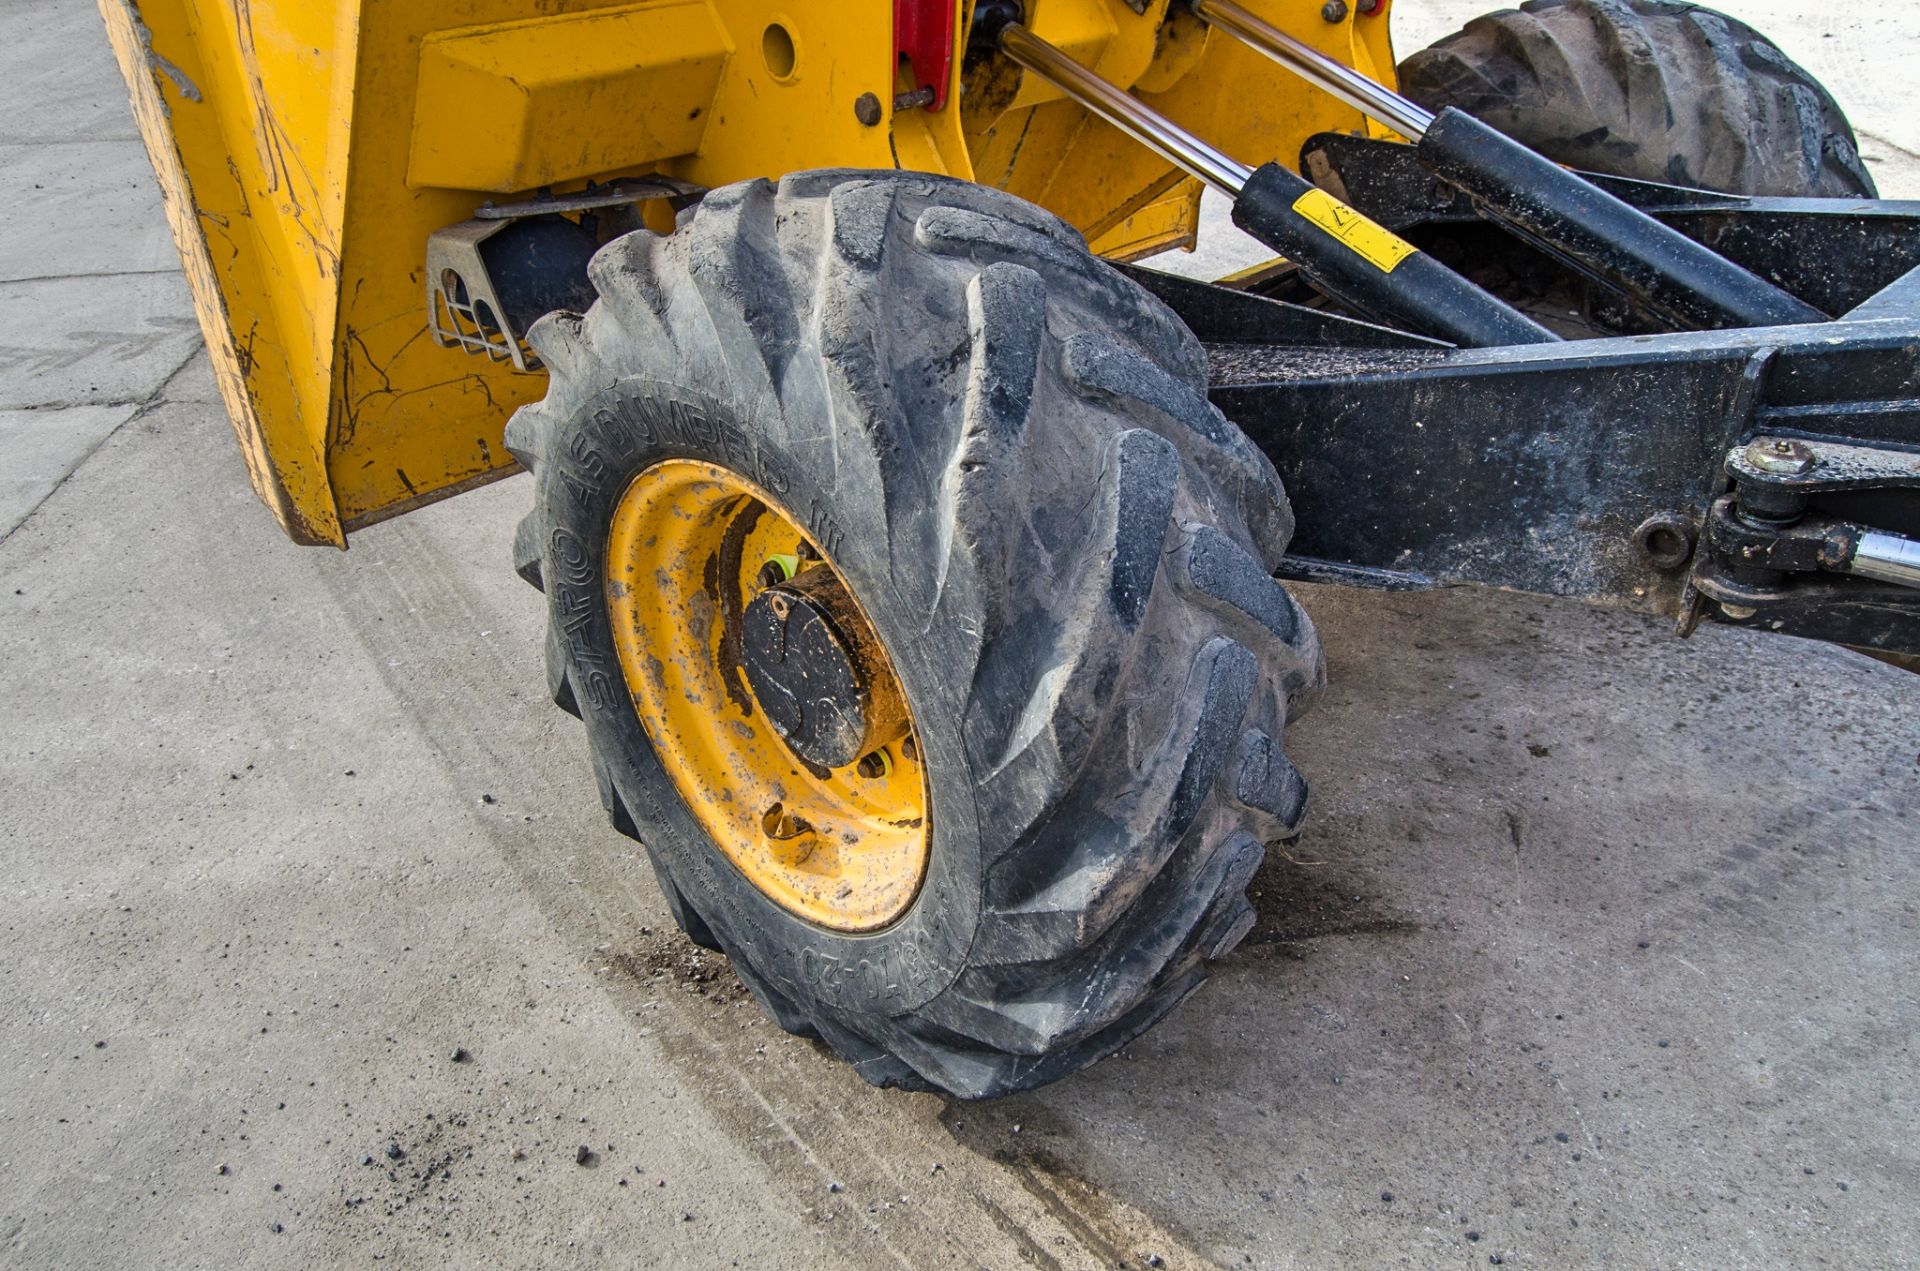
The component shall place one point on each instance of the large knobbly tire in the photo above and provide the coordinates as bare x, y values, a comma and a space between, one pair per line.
1007, 450
1649, 89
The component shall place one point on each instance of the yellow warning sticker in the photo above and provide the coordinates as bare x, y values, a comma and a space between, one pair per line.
1375, 243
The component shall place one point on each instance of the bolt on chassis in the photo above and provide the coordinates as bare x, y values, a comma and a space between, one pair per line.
915, 563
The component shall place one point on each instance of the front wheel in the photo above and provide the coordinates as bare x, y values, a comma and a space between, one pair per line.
919, 609
1649, 89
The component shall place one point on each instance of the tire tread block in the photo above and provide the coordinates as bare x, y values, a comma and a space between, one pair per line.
1650, 89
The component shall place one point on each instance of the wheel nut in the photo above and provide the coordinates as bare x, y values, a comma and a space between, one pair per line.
866, 108
776, 570
1334, 11
875, 765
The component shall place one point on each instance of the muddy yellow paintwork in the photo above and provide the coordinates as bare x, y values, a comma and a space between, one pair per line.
842, 850
251, 162
306, 151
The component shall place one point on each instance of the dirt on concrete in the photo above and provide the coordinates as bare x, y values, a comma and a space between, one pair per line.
1600, 948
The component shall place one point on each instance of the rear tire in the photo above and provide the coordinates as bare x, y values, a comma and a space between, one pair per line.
1006, 452
1648, 89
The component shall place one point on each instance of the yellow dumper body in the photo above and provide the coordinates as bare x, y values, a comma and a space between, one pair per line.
307, 151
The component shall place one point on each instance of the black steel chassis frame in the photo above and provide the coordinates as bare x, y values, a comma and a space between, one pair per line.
1607, 469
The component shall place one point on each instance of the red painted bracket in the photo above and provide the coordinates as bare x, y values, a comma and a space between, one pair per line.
923, 34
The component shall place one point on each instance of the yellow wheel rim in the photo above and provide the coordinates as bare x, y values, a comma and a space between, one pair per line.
845, 848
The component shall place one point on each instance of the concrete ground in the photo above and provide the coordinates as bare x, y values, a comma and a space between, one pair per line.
1601, 950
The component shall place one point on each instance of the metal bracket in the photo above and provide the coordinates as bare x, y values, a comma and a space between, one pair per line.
463, 309
1762, 537
464, 305
1805, 468
612, 194
1810, 545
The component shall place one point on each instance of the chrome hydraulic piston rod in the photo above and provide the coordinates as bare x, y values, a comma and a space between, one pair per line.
1888, 558
1342, 252
1124, 111
1560, 211
1370, 97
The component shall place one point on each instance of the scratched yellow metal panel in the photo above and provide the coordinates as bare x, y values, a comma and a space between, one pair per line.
238, 105
1159, 221
282, 133
414, 421
411, 422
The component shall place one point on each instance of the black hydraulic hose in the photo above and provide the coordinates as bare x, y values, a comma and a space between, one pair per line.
1685, 282
1372, 269
1339, 250
1575, 220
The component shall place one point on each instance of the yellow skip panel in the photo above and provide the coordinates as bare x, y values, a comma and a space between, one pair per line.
493, 100
249, 141
306, 150
306, 269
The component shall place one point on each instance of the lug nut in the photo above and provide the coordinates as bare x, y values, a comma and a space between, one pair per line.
875, 765
1334, 11
776, 570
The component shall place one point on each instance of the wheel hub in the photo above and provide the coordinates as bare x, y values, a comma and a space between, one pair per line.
815, 678
767, 697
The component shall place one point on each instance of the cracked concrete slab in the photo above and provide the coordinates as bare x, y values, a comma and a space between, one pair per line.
193, 382
81, 207
42, 448
91, 341
61, 80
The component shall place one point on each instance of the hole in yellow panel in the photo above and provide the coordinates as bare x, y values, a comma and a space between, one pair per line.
776, 46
